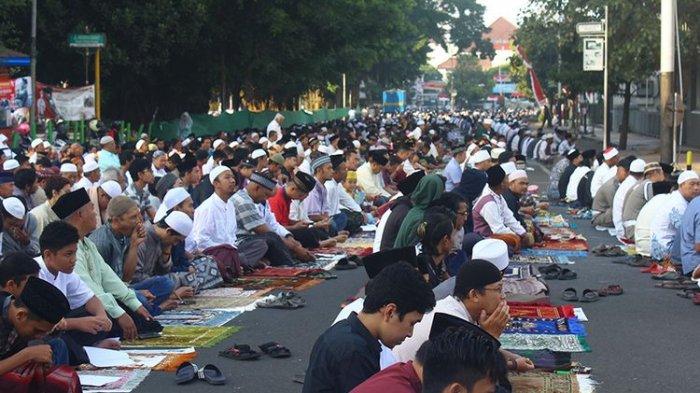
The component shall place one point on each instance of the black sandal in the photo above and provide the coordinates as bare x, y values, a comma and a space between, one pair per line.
240, 352
275, 350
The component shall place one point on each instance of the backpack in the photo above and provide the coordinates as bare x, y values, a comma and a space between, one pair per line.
33, 377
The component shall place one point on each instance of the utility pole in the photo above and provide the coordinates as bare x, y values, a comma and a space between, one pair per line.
666, 80
32, 94
606, 121
344, 96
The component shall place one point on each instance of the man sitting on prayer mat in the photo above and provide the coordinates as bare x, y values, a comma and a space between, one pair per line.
493, 218
642, 229
453, 169
119, 301
573, 159
638, 196
635, 175
603, 200
690, 237
255, 221
19, 229
578, 176
87, 324
667, 221
347, 353
31, 316
606, 170
118, 242
321, 207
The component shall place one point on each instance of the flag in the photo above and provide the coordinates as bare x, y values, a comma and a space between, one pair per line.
534, 82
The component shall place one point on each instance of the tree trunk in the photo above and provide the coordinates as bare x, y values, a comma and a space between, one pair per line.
625, 126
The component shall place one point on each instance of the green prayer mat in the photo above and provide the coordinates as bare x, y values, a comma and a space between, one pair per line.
543, 382
553, 342
185, 336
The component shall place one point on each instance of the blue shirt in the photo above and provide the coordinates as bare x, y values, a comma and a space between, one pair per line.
690, 234
453, 174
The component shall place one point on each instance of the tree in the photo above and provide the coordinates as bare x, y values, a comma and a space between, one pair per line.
468, 80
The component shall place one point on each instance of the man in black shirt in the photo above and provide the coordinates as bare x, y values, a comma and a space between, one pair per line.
575, 158
347, 353
518, 187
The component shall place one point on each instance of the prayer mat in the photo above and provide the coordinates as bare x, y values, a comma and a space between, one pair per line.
553, 342
359, 251
323, 261
568, 245
357, 242
518, 271
543, 382
225, 303
197, 317
185, 336
272, 271
541, 260
550, 221
545, 326
546, 359
173, 358
557, 253
524, 311
129, 379
268, 283
529, 286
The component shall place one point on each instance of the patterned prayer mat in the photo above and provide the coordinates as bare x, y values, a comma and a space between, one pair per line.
543, 382
350, 250
270, 283
553, 342
557, 221
529, 286
224, 298
172, 358
272, 271
556, 253
568, 245
356, 242
197, 317
541, 260
545, 326
185, 336
519, 310
129, 379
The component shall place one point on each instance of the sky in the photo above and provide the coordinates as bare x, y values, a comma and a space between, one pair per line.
506, 8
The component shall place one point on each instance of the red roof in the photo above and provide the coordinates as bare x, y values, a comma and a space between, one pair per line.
449, 64
501, 33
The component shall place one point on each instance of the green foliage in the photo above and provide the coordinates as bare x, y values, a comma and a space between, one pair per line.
469, 81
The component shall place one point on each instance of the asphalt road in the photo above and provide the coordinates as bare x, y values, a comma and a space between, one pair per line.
642, 341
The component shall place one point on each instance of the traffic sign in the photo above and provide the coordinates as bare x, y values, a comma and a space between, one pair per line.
593, 54
590, 28
95, 40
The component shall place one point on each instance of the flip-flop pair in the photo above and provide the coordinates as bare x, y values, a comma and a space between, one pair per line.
284, 300
245, 352
588, 295
188, 372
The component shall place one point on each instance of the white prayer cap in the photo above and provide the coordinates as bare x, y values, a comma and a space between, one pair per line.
508, 167
493, 141
501, 144
36, 142
610, 152
179, 222
217, 171
495, 153
492, 250
218, 143
69, 168
416, 134
548, 135
89, 166
106, 139
171, 199
257, 153
112, 188
323, 149
233, 144
488, 121
517, 174
637, 166
255, 135
356, 143
14, 206
480, 156
431, 132
687, 175
47, 144
140, 143
420, 122
10, 165
186, 142
263, 140
290, 145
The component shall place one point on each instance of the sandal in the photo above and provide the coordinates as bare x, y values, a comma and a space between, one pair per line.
549, 268
567, 274
275, 350
345, 264
686, 293
284, 301
211, 375
186, 373
611, 290
240, 352
667, 276
589, 295
570, 295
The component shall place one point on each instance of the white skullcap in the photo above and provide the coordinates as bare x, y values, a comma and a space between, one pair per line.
420, 122
140, 143
233, 144
517, 174
255, 135
495, 153
480, 156
323, 149
257, 153
637, 166
10, 165
290, 145
501, 144
179, 222
106, 139
218, 143
431, 132
69, 168
610, 152
90, 166
508, 167
47, 144
217, 171
687, 175
492, 250
488, 121
36, 142
112, 188
548, 135
14, 206
356, 143
172, 198
263, 140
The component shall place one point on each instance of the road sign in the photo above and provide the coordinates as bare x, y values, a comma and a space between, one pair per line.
593, 54
590, 28
95, 40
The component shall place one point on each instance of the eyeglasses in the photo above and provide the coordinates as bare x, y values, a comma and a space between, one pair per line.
464, 213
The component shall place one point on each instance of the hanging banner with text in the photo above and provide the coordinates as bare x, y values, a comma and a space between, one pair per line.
74, 104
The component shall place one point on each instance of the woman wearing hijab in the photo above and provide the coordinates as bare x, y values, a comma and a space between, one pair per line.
429, 188
435, 233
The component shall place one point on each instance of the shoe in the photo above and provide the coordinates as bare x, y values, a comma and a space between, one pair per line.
653, 267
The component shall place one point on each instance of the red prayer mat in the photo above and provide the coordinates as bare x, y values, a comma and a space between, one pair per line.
566, 311
568, 245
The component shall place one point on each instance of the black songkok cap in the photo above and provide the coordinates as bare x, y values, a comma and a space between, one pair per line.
588, 154
572, 154
289, 153
263, 180
70, 203
409, 183
627, 162
380, 157
186, 165
336, 160
661, 187
444, 322
304, 181
44, 300
495, 174
375, 263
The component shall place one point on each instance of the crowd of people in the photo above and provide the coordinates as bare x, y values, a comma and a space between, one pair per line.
99, 238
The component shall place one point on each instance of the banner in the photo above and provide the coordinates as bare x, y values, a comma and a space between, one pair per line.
534, 82
68, 104
15, 100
